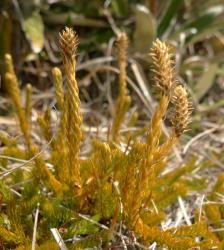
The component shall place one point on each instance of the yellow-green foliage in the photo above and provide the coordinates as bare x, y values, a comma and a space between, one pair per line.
111, 185
214, 209
58, 84
123, 100
72, 119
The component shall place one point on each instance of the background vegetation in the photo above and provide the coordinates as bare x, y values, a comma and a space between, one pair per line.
188, 191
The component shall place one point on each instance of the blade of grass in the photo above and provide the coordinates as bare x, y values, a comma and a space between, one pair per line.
35, 227
58, 239
202, 23
168, 16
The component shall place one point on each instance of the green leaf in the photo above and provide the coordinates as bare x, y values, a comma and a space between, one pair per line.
5, 35
205, 23
33, 27
206, 18
168, 16
120, 7
206, 81
145, 29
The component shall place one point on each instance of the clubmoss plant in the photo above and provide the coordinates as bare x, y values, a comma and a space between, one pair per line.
73, 119
112, 193
123, 100
14, 92
58, 84
13, 89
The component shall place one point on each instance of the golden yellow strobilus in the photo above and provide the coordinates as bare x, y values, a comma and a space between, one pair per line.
123, 100
73, 119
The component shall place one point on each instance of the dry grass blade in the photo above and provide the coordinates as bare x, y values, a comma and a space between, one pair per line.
58, 239
35, 228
